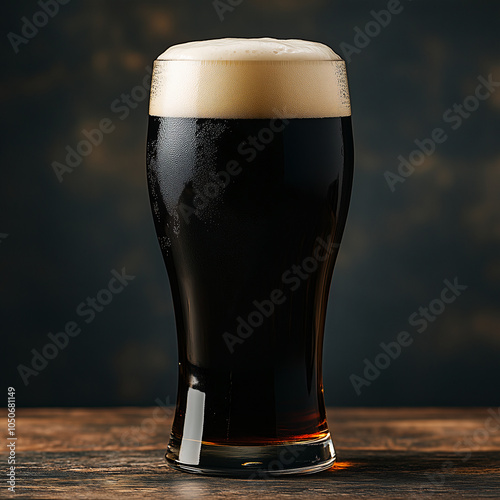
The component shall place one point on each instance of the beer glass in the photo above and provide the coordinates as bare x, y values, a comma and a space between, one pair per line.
250, 165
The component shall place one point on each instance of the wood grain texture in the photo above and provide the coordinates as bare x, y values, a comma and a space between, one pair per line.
390, 453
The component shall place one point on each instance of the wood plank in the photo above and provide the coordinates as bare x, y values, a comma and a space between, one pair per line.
392, 453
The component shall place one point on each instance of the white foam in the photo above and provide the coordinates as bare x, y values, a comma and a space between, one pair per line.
250, 49
250, 78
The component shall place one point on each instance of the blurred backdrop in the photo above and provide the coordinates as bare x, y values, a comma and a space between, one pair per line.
425, 208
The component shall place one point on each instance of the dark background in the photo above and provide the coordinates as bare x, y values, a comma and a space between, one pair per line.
65, 238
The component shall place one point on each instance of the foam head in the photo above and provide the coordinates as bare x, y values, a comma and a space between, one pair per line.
249, 78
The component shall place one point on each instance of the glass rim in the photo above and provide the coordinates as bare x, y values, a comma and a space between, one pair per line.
246, 61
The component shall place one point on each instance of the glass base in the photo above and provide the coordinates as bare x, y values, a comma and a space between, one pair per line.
291, 457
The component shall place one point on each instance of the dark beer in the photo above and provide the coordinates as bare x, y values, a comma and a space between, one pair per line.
249, 214
228, 241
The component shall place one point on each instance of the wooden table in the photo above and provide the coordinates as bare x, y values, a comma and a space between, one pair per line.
392, 453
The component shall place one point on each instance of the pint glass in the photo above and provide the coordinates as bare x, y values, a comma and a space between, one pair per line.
250, 165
